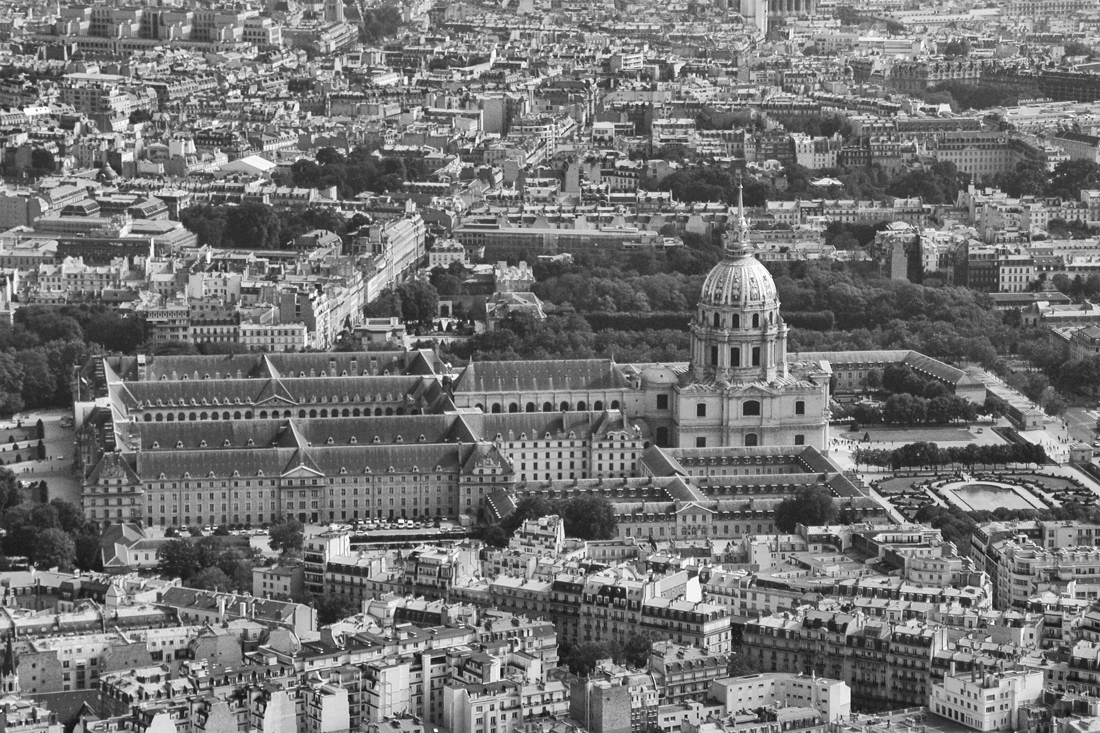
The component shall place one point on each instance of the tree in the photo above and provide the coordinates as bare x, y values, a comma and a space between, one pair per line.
331, 608
88, 554
957, 48
252, 225
178, 559
636, 650
10, 495
1070, 176
54, 548
386, 305
741, 664
210, 579
419, 301
206, 221
69, 516
583, 658
590, 518
43, 160
811, 506
286, 536
495, 536
40, 429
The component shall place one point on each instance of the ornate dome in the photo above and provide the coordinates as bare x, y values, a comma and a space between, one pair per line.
739, 281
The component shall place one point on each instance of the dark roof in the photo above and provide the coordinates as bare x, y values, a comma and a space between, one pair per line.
541, 376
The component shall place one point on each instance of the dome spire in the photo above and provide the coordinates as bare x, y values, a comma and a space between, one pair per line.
737, 241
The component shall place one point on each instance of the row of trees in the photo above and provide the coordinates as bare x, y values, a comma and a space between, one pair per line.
209, 563
938, 183
358, 171
834, 307
38, 351
581, 659
1066, 180
414, 301
521, 336
585, 517
956, 525
49, 535
928, 455
907, 409
256, 225
963, 96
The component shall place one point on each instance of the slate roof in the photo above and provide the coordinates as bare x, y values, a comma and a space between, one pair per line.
541, 376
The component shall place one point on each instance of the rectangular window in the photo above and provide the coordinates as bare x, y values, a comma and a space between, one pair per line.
700, 442
662, 402
756, 356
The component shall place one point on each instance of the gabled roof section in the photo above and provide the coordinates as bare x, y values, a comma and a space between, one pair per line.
290, 437
302, 460
113, 466
486, 456
275, 391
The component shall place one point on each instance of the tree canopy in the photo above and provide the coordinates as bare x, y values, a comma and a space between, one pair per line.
810, 506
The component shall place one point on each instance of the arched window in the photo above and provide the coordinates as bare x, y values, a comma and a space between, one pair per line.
149, 418
701, 409
480, 406
750, 408
547, 407
581, 406
752, 440
717, 320
614, 404
301, 413
171, 417
389, 411
597, 405
263, 415
735, 321
192, 417
237, 415
378, 411
225, 416
496, 407
756, 320
530, 407
324, 413
513, 407
313, 413
565, 407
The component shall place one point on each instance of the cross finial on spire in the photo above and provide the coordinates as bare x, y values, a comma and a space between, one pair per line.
737, 240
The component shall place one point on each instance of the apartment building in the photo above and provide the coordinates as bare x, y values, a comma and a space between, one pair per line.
986, 700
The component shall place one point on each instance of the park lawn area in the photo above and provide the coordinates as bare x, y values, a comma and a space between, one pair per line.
941, 434
1050, 483
898, 484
